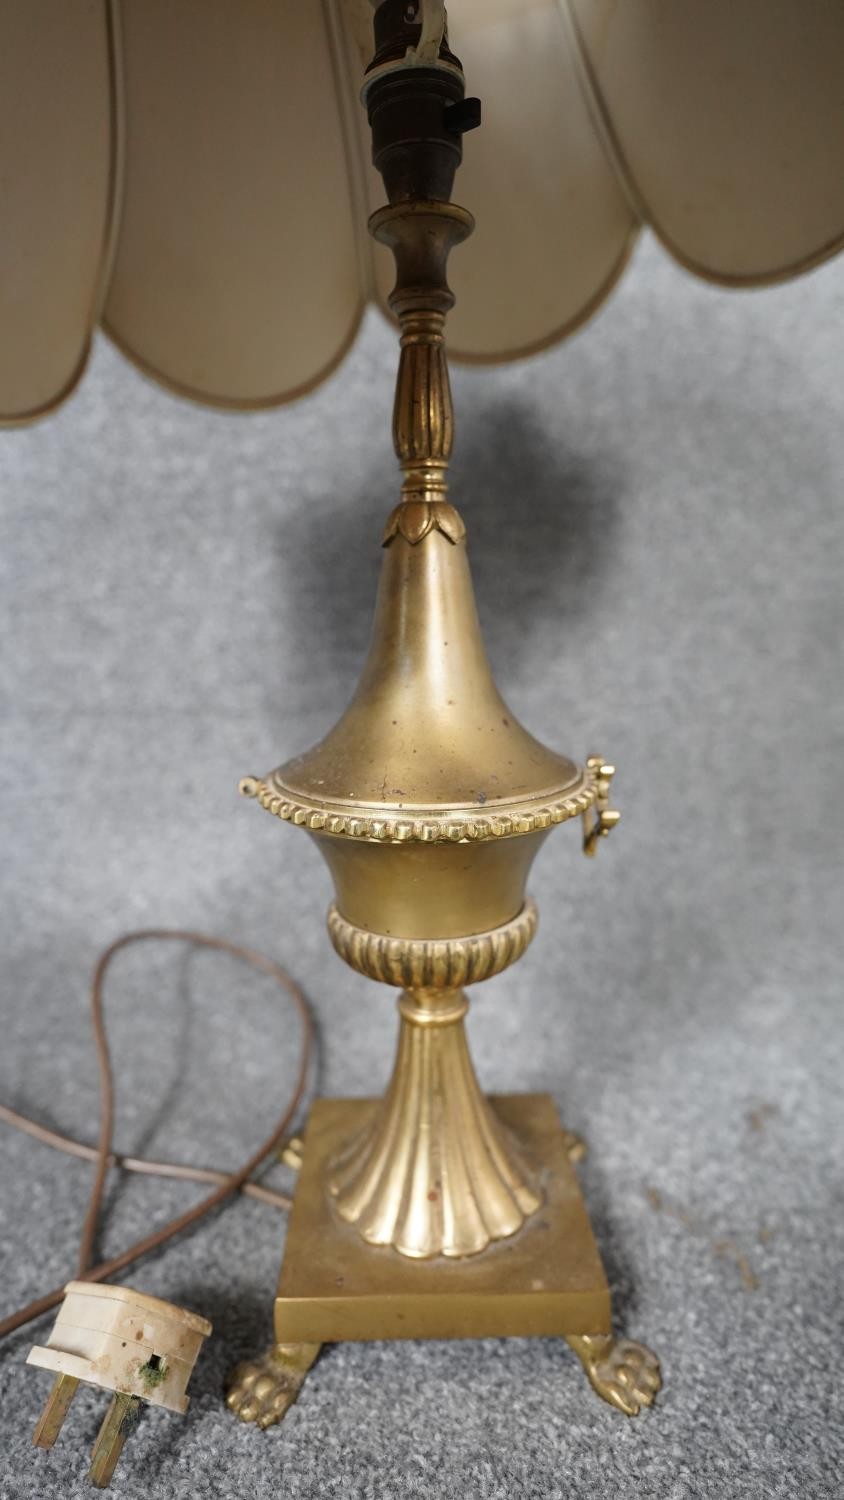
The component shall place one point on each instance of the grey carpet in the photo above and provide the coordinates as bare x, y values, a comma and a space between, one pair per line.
656, 519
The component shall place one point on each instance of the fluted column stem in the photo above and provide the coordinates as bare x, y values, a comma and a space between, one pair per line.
434, 1172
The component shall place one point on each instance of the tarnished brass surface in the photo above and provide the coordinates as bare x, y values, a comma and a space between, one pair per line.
622, 1372
434, 1213
108, 1446
421, 235
433, 963
429, 801
603, 818
433, 1171
261, 1390
575, 1146
433, 892
290, 1152
545, 1280
51, 1421
427, 749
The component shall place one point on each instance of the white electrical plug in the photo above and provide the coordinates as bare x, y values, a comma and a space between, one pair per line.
137, 1347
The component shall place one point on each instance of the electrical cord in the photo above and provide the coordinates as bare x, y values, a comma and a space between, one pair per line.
104, 1157
140, 1164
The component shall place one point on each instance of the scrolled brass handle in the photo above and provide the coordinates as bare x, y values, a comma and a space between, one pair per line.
599, 819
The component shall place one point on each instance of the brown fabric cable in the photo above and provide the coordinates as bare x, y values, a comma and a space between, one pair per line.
140, 1164
103, 1155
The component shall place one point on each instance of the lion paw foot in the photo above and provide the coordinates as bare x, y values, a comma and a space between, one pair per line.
575, 1146
261, 1390
622, 1372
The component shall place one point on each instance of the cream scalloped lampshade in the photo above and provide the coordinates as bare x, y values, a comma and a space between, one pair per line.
194, 174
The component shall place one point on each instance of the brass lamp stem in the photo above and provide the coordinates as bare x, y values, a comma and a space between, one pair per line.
418, 114
434, 1172
423, 421
428, 799
421, 235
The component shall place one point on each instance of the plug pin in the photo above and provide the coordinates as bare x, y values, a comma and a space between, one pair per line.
50, 1421
111, 1437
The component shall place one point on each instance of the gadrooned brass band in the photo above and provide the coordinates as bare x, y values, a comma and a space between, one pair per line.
447, 963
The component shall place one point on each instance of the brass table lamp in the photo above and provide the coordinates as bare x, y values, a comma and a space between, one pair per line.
435, 1212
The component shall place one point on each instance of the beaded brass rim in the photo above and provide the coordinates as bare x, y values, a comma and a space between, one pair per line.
446, 825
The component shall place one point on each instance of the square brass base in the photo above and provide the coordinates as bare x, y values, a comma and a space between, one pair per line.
545, 1280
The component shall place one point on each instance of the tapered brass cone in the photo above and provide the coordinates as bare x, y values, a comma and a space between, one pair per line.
429, 801
428, 771
427, 731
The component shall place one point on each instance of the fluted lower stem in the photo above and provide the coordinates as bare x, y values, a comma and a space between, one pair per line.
435, 1172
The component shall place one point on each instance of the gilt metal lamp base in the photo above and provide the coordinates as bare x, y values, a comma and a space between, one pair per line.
546, 1280
434, 1212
